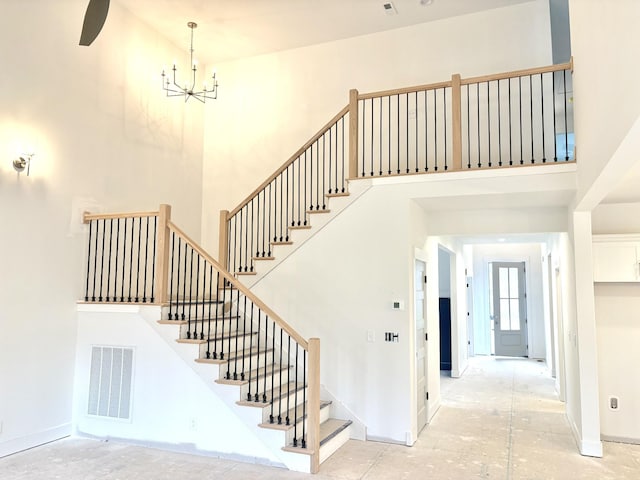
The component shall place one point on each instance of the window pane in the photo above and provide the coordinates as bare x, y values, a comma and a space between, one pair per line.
515, 314
504, 282
513, 283
505, 318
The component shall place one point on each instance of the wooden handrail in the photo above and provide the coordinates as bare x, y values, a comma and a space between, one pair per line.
292, 159
401, 91
517, 73
87, 217
245, 291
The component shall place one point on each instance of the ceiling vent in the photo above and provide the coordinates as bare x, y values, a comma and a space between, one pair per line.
389, 8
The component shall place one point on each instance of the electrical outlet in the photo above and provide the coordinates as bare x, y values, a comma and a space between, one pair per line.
193, 424
614, 403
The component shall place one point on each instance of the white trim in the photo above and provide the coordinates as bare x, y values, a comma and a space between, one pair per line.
587, 448
610, 438
616, 237
34, 439
115, 308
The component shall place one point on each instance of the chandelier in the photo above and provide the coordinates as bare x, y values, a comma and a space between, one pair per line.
174, 89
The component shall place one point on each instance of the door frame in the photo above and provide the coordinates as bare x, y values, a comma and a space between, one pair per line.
430, 404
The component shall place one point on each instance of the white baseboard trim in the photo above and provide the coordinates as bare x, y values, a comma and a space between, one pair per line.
32, 440
615, 439
587, 448
434, 406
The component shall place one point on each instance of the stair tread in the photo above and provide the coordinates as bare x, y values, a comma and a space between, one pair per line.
246, 273
263, 258
329, 429
254, 374
292, 414
293, 387
232, 356
321, 210
300, 227
338, 194
197, 320
215, 339
282, 243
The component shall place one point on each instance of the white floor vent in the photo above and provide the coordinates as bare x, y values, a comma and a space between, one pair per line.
110, 382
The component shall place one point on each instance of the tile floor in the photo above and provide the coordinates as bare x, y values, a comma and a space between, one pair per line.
501, 420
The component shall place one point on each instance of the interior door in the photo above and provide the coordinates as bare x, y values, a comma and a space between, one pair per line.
509, 309
421, 344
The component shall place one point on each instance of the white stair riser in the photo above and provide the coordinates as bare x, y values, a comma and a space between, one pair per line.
278, 378
227, 345
196, 310
334, 444
214, 327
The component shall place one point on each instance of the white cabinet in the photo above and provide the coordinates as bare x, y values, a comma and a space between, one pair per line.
616, 258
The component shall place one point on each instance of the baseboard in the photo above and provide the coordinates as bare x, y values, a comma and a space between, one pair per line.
615, 439
587, 448
32, 440
394, 441
434, 406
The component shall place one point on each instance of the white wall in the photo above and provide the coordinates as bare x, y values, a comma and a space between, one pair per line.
618, 330
271, 105
531, 255
104, 138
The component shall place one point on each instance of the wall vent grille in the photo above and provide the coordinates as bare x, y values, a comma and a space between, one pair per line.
110, 382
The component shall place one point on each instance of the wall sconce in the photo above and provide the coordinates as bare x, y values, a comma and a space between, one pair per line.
22, 162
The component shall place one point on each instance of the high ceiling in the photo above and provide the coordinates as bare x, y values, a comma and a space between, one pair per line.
229, 29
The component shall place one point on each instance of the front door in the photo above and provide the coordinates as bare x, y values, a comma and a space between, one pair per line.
421, 356
509, 309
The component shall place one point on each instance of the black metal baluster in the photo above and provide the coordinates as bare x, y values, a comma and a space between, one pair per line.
435, 129
288, 376
229, 333
86, 292
177, 292
211, 303
271, 219
398, 135
389, 136
426, 130
95, 262
257, 395
416, 139
184, 282
555, 131
249, 380
406, 100
153, 259
380, 134
499, 129
273, 367
220, 353
306, 197
478, 110
468, 129
343, 156
197, 296
304, 398
444, 110
264, 225
324, 173
281, 204
566, 128
195, 333
311, 179
106, 298
280, 382
253, 221
133, 225
240, 238
510, 128
287, 209
266, 357
245, 334
364, 110
295, 401
531, 114
520, 103
330, 177
138, 259
124, 258
235, 356
173, 243
104, 235
317, 144
115, 269
371, 137
489, 123
146, 258
544, 156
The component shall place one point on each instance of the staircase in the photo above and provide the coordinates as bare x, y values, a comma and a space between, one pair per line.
258, 371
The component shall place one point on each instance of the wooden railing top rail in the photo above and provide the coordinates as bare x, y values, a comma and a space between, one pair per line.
465, 81
402, 91
291, 159
245, 291
518, 73
87, 217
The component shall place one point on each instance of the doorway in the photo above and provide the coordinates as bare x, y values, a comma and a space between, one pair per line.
444, 309
508, 297
422, 397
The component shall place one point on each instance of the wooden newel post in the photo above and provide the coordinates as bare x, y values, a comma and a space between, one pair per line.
223, 239
313, 435
456, 121
353, 133
162, 275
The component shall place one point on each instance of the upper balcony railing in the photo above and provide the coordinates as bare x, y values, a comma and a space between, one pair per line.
509, 119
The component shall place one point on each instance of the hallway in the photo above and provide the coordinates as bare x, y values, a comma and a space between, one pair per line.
501, 420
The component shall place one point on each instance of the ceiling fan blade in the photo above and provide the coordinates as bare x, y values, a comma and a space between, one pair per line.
94, 19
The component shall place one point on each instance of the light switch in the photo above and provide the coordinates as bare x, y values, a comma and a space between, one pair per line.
371, 336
